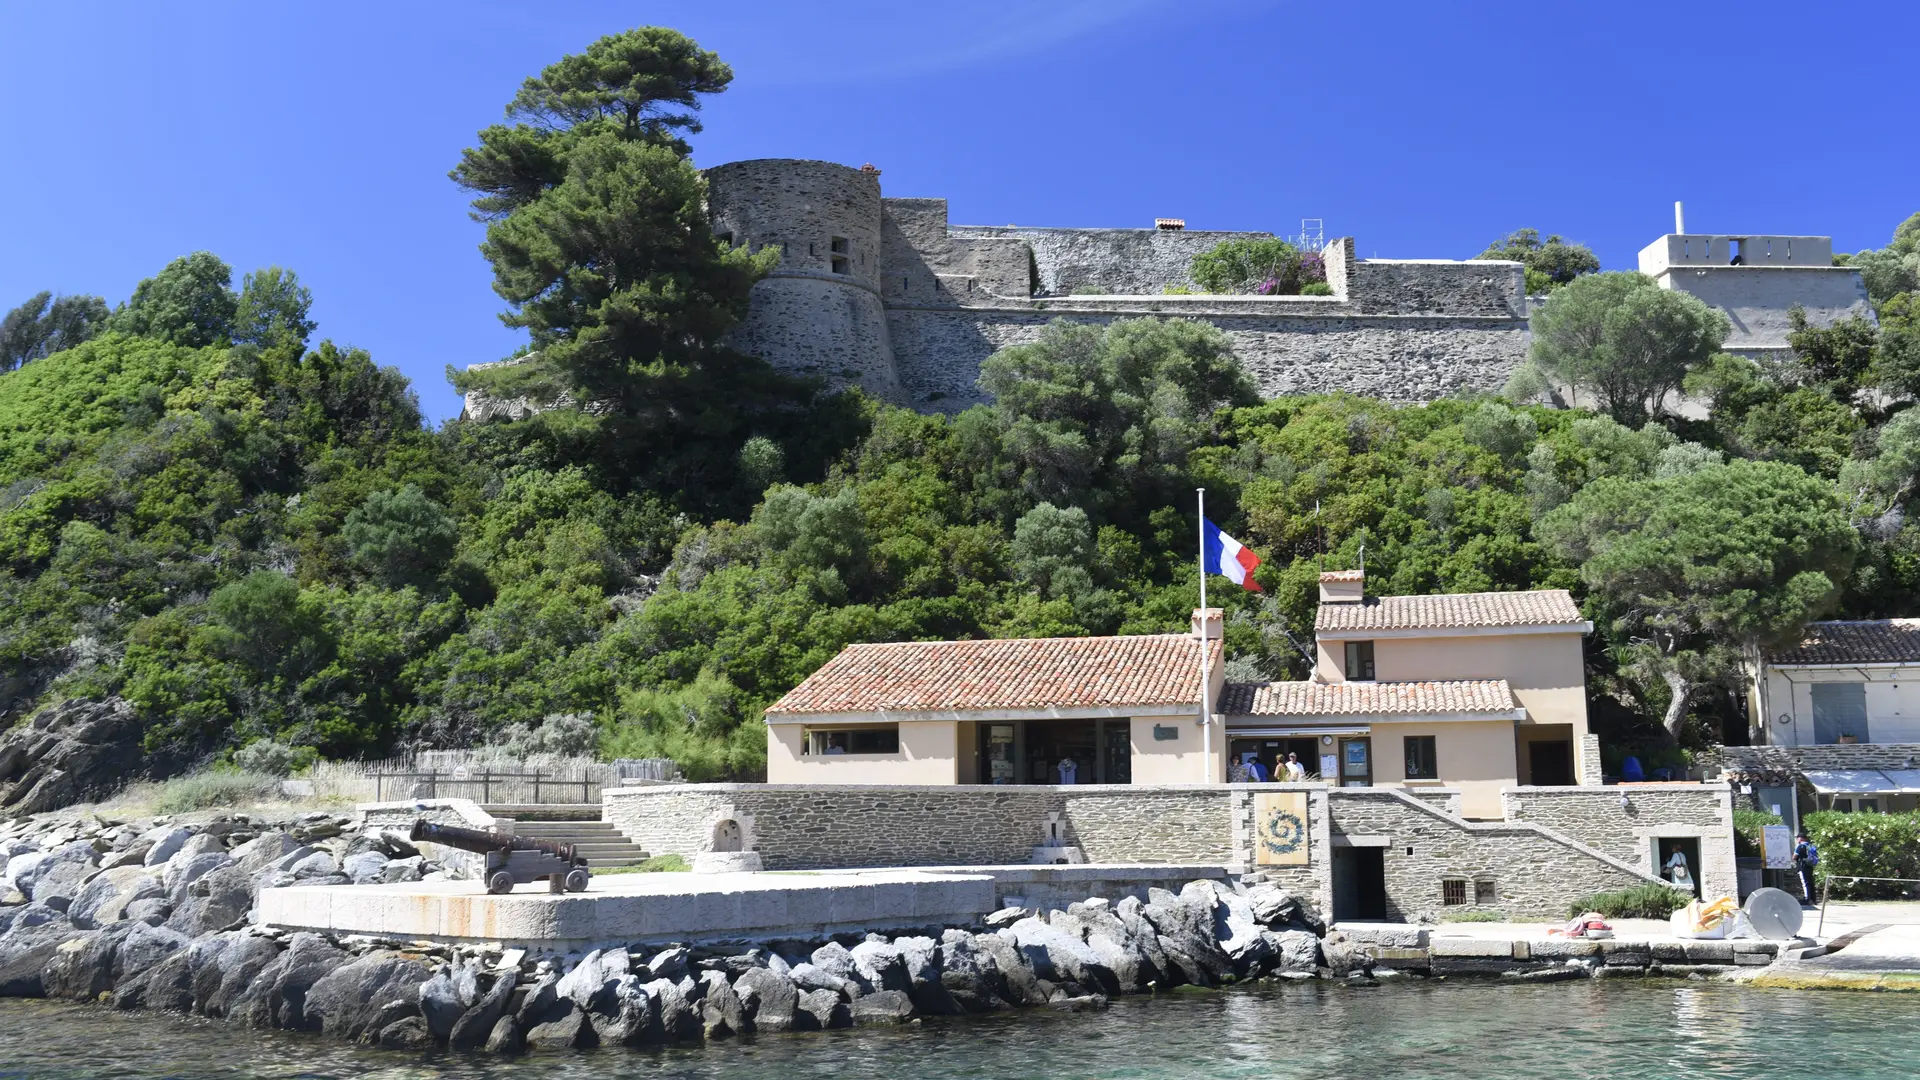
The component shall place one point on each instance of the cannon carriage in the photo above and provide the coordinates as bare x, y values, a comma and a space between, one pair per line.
512, 860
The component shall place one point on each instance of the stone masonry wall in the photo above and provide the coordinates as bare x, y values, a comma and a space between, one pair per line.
807, 826
1406, 359
1820, 756
1597, 818
1535, 873
1133, 261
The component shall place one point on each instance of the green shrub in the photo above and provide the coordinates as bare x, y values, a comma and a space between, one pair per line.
270, 758
1746, 830
1869, 845
205, 790
1473, 916
659, 864
1316, 288
1647, 901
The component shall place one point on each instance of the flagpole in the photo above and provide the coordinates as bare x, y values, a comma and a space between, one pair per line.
1200, 626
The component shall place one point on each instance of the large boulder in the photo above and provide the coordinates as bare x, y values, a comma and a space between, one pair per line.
968, 974
821, 1009
218, 985
81, 969
216, 901
877, 965
25, 951
277, 996
1294, 951
1018, 983
810, 976
834, 960
675, 1017
477, 1023
168, 985
365, 868
589, 981
24, 872
77, 750
882, 1007
104, 899
1184, 925
164, 842
355, 1000
624, 1015
1058, 956
60, 883
185, 869
440, 1004
263, 851
721, 1012
769, 999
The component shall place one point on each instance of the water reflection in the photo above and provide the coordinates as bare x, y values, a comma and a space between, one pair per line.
1441, 1031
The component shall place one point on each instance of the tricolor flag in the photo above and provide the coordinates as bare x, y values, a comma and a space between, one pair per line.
1229, 558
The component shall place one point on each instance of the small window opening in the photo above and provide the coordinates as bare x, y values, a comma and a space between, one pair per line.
1360, 661
1485, 893
875, 739
840, 245
725, 238
841, 263
1739, 248
1422, 758
1453, 892
813, 249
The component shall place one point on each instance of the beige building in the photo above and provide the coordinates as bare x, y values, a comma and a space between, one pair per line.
1475, 692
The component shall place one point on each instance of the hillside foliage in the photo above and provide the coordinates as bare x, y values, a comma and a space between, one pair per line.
254, 539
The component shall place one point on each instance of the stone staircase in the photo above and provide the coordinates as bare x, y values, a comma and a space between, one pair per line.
601, 843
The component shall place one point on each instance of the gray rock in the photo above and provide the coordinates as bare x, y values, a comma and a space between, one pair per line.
1294, 950
921, 958
26, 951
625, 1015
68, 753
263, 851
154, 911
167, 844
809, 976
350, 999
1018, 983
365, 868
294, 857
56, 886
670, 963
968, 975
882, 1007
768, 1000
406, 1033
201, 843
877, 965
586, 984
81, 969
186, 869
217, 987
104, 899
506, 1037
1008, 916
541, 998
319, 864
674, 1017
721, 1012
476, 1025
834, 959
277, 997
143, 948
821, 1009
133, 856
1234, 926
440, 1004
20, 866
1057, 956
169, 985
1185, 927
398, 870
566, 1029
1272, 906
217, 901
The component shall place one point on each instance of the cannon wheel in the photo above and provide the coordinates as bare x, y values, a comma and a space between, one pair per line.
577, 880
499, 882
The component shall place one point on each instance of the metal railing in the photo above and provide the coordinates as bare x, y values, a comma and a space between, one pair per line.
480, 784
1826, 890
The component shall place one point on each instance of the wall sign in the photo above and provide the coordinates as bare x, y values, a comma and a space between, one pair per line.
1165, 733
1776, 844
1280, 828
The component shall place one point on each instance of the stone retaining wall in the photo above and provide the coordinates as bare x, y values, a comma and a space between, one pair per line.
1629, 831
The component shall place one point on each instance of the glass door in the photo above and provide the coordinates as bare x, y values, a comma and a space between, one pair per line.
1356, 762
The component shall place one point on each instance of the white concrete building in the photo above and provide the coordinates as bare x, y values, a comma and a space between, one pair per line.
1844, 704
1756, 281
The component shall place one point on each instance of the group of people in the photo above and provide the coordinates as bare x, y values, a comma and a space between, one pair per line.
1251, 770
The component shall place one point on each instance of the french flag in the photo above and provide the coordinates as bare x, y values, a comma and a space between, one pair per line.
1228, 557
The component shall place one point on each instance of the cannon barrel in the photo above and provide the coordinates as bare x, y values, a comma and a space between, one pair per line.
480, 842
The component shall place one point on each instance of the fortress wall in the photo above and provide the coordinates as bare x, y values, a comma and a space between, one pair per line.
1423, 286
819, 326
1400, 359
1140, 261
1757, 299
924, 265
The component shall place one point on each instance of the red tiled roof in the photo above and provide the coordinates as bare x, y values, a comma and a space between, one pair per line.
1366, 698
1867, 641
1005, 674
1539, 607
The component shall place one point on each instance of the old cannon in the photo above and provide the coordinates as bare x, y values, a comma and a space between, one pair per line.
512, 860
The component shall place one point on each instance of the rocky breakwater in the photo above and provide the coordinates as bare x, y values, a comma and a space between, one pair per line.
210, 961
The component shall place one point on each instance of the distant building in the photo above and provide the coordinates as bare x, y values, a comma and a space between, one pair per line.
1756, 281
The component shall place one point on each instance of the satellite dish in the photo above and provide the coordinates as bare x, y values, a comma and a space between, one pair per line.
1775, 914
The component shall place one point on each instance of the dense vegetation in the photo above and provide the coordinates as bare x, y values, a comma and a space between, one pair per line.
253, 538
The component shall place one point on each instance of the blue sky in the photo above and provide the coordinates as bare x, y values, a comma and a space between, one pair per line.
318, 136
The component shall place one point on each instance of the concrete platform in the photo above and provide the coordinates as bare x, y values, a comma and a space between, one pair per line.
624, 909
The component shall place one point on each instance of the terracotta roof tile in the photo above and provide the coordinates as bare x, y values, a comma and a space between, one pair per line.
1006, 674
1538, 607
1343, 575
1365, 698
1868, 641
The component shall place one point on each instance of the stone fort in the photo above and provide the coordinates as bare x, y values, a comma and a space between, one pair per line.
888, 294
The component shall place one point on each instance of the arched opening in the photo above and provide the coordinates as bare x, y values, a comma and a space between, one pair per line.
727, 835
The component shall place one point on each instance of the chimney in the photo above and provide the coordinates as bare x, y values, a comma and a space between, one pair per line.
1343, 586
1207, 622
1679, 218
1169, 224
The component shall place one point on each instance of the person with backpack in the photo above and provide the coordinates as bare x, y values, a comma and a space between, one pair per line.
1806, 856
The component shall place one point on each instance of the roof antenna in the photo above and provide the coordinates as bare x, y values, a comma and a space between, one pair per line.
1363, 560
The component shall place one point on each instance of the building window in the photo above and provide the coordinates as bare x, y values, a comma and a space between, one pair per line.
840, 252
1360, 661
1453, 892
1423, 763
1484, 892
871, 739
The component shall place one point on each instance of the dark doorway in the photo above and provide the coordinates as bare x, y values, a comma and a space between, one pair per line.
1679, 861
1359, 883
1551, 762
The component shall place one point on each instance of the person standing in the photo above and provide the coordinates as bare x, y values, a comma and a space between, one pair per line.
1296, 772
1806, 856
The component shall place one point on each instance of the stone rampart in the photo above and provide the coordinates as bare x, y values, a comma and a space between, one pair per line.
1086, 261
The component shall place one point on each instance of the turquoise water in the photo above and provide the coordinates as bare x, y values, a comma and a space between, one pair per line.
1479, 1030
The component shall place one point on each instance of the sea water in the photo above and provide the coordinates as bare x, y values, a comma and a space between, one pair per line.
1612, 1028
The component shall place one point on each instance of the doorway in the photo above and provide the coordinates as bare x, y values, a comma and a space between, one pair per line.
1550, 763
1684, 873
1359, 884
